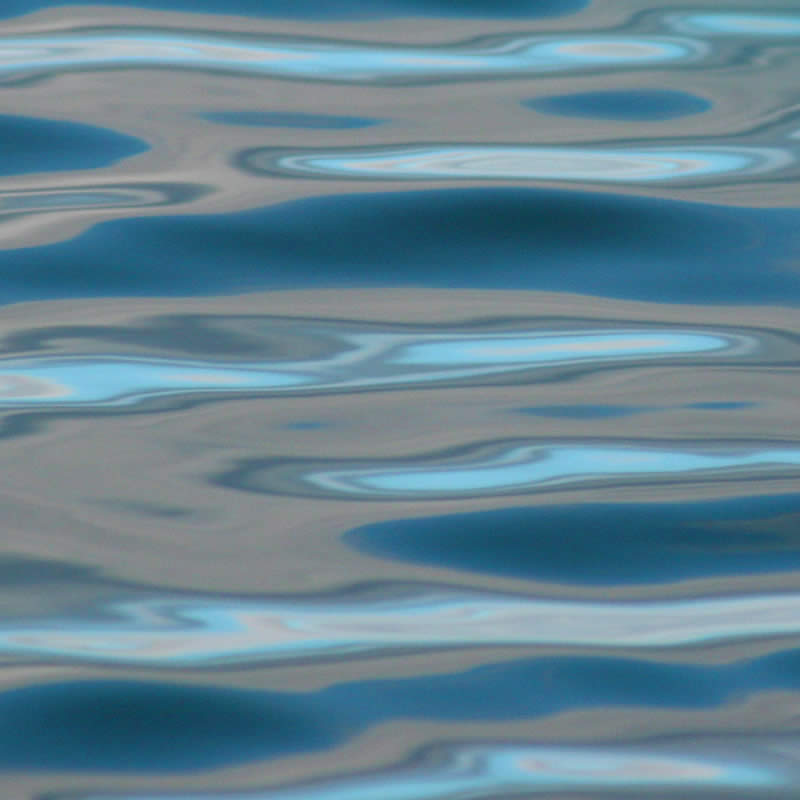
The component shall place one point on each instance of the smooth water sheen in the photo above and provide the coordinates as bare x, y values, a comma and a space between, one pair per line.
399, 400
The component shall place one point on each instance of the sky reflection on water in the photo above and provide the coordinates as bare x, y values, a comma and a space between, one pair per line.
204, 633
335, 61
361, 359
398, 399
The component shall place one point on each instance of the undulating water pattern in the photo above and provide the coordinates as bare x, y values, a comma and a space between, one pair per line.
399, 399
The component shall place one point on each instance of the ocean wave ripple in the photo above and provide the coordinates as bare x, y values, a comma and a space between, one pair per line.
366, 359
632, 165
22, 57
568, 567
203, 632
516, 467
18, 202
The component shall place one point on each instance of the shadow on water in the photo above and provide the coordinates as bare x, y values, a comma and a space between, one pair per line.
601, 244
602, 543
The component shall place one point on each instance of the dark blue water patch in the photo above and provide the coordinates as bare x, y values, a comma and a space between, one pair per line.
600, 543
28, 144
327, 9
598, 244
286, 119
23, 571
584, 412
627, 105
127, 726
530, 688
130, 726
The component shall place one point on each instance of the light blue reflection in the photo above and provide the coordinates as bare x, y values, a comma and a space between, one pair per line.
559, 349
337, 61
124, 381
520, 162
207, 631
540, 467
742, 24
480, 772
358, 359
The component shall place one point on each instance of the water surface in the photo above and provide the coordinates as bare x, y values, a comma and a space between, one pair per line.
398, 399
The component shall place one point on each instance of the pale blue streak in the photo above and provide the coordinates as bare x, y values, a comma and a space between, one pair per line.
363, 360
738, 24
553, 348
541, 467
528, 162
336, 61
206, 631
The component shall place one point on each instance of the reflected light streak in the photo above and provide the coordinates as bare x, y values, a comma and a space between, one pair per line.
334, 60
525, 163
737, 24
206, 632
542, 467
360, 360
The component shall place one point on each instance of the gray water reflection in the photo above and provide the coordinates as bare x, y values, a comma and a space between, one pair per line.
103, 196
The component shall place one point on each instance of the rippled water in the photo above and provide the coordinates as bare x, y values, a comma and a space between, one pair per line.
399, 399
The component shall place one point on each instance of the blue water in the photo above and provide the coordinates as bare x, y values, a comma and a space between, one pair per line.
617, 246
399, 399
332, 9
631, 105
28, 146
581, 544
